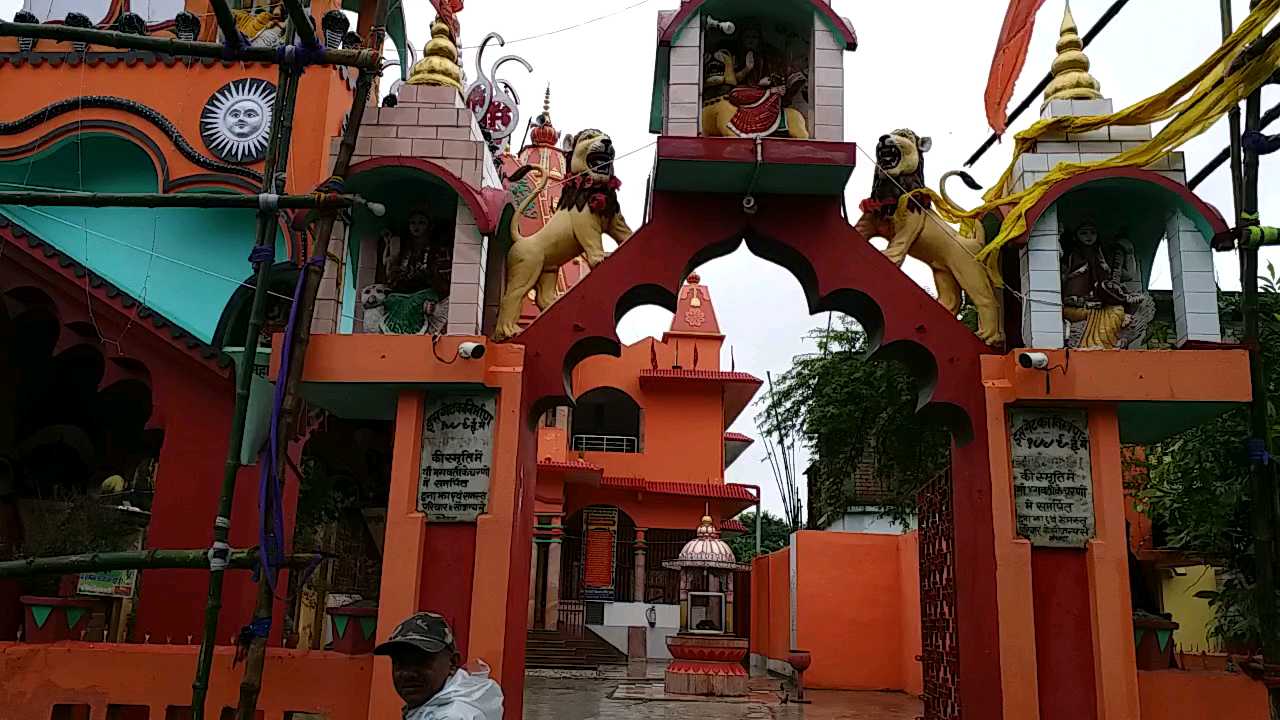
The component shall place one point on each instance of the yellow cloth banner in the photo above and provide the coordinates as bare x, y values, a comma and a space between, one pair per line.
1212, 94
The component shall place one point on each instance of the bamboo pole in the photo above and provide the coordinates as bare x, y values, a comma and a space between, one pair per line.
277, 149
301, 22
1262, 486
1233, 150
227, 24
139, 560
251, 684
187, 200
364, 59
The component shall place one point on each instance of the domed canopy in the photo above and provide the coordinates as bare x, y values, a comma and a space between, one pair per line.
706, 551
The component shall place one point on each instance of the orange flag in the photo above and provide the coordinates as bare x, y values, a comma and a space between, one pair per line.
1011, 53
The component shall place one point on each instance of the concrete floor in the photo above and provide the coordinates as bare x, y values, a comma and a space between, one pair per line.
592, 699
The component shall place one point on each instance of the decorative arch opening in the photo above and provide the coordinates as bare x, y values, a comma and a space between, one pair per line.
149, 253
606, 419
837, 271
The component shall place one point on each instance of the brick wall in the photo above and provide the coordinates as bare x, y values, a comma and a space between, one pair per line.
432, 123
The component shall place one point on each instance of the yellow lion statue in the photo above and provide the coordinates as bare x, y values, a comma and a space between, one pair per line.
917, 231
588, 210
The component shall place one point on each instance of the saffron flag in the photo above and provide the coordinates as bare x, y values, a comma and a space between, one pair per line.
1011, 54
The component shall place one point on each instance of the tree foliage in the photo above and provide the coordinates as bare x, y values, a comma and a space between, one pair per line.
845, 407
1197, 486
774, 535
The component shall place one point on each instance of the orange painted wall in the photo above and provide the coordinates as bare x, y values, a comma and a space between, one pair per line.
910, 669
778, 633
857, 606
36, 677
682, 427
179, 92
1181, 695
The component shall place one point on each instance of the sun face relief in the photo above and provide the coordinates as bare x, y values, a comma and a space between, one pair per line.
236, 121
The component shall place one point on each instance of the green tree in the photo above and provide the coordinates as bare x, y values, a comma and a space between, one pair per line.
774, 535
844, 406
1197, 485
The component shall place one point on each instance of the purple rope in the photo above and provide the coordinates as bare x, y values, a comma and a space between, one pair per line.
271, 537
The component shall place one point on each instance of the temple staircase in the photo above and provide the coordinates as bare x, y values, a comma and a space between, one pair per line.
562, 650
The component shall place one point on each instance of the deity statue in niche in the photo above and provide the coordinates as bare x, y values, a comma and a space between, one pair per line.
750, 86
1104, 298
411, 296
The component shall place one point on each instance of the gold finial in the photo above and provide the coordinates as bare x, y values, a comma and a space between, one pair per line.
1071, 78
439, 63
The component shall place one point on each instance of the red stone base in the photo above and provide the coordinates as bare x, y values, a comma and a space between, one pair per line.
706, 665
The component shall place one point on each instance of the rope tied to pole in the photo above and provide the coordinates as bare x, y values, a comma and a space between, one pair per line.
262, 254
297, 56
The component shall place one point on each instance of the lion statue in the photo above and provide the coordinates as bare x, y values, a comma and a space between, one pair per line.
916, 230
588, 210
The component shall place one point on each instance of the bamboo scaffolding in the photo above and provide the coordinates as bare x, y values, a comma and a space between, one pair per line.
273, 168
291, 376
363, 59
188, 200
140, 560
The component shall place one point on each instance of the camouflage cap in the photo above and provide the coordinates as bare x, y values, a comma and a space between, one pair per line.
426, 631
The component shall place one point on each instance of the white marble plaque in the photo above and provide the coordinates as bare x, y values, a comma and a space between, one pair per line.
1052, 482
457, 455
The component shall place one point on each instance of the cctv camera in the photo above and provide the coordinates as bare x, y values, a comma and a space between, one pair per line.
1033, 360
471, 350
749, 205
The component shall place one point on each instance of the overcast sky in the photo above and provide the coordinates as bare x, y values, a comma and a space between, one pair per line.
921, 64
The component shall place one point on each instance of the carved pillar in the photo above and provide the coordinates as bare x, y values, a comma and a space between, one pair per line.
553, 585
637, 588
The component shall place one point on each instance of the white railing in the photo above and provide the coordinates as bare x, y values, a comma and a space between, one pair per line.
606, 443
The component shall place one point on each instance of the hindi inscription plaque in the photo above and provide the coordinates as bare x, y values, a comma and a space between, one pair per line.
457, 455
1052, 480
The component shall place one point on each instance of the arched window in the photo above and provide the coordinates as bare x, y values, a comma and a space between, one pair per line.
606, 420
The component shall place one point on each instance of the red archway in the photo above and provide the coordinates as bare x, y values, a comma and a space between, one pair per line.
838, 271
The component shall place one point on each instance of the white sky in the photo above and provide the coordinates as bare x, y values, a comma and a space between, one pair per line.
921, 64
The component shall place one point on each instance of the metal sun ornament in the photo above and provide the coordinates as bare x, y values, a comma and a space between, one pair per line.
236, 121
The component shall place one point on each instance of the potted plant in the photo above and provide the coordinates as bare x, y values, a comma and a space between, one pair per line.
72, 523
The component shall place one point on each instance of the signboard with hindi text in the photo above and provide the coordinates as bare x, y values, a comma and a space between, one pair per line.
457, 455
1052, 481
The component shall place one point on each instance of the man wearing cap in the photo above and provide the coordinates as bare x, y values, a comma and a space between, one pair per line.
425, 667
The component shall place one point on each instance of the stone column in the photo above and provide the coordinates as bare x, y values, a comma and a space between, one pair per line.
637, 589
552, 617
1042, 324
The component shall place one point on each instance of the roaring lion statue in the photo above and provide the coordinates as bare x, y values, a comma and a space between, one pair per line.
588, 209
916, 230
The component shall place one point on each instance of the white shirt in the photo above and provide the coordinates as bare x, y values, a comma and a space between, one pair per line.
465, 696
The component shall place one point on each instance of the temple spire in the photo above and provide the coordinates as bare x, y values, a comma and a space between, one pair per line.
694, 314
544, 133
1071, 78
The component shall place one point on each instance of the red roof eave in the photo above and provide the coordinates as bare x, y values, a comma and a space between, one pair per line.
571, 470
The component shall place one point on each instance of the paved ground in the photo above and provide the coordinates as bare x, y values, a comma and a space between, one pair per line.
593, 699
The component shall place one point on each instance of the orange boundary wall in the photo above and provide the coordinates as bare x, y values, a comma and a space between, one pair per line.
1178, 694
857, 609
37, 677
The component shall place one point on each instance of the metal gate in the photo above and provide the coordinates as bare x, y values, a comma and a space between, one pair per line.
940, 654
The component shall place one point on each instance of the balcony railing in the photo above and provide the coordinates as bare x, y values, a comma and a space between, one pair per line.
606, 443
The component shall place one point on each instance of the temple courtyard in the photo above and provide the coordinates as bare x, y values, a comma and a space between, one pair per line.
558, 698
